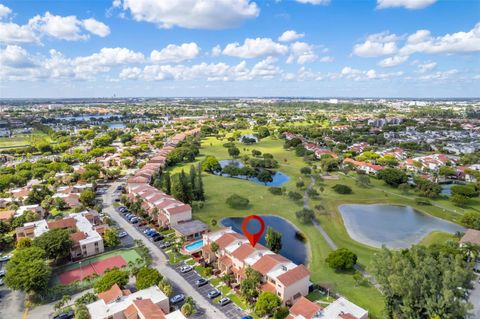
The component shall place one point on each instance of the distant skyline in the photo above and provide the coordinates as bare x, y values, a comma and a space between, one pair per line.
234, 48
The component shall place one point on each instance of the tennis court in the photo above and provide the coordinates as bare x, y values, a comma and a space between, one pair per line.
86, 270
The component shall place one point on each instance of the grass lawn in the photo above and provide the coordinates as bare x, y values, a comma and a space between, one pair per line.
21, 140
218, 188
437, 237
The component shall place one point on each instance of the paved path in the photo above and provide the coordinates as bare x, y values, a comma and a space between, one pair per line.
330, 241
11, 303
475, 299
159, 260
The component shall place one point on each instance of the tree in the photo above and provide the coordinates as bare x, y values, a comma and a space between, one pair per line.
180, 188
110, 237
211, 165
263, 132
186, 309
427, 188
23, 243
87, 197
393, 176
341, 259
214, 247
165, 287
411, 291
459, 200
295, 196
249, 287
446, 171
198, 191
166, 183
147, 277
28, 270
265, 177
342, 189
305, 215
306, 170
109, 278
56, 243
471, 220
464, 190
81, 312
363, 180
37, 194
267, 303
237, 201
256, 153
233, 151
274, 240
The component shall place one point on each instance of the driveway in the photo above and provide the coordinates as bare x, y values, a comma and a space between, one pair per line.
160, 261
475, 299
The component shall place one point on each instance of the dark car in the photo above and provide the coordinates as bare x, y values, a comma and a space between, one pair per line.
65, 315
157, 237
213, 293
201, 282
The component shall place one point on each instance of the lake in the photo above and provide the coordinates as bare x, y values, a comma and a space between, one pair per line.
391, 225
292, 247
279, 178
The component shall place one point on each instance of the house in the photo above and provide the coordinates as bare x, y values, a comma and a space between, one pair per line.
86, 235
359, 147
234, 255
363, 166
190, 230
471, 236
339, 309
149, 303
6, 215
33, 208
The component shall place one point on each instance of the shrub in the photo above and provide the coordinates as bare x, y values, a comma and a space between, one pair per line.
342, 189
275, 190
422, 201
295, 196
341, 259
305, 215
306, 170
237, 201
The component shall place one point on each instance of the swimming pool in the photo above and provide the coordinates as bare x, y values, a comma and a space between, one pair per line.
192, 247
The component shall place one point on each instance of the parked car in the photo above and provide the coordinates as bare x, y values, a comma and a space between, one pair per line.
117, 199
185, 269
122, 234
6, 257
65, 315
165, 245
151, 232
177, 298
156, 238
224, 301
201, 282
247, 317
2, 273
1, 282
146, 230
127, 216
134, 220
213, 293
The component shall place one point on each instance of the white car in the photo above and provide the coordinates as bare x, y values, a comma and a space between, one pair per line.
185, 269
6, 257
2, 273
122, 234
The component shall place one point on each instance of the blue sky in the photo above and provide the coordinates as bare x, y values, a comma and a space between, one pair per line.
315, 48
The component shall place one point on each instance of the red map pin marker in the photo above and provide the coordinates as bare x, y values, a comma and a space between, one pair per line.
253, 238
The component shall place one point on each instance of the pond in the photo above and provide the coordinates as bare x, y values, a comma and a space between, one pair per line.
391, 225
95, 117
292, 247
279, 178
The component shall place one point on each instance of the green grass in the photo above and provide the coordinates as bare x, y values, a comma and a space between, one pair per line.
218, 188
437, 237
215, 281
22, 140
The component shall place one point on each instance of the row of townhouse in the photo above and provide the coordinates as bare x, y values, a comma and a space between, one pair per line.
339, 309
235, 254
366, 167
87, 231
117, 303
318, 151
163, 208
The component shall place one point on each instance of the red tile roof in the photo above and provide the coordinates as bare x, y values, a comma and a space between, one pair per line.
111, 294
227, 239
62, 223
179, 209
267, 262
304, 307
148, 309
293, 275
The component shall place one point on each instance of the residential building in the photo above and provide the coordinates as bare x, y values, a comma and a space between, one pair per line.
339, 309
281, 276
149, 303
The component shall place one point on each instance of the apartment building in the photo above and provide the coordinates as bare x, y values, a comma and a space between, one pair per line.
86, 236
149, 303
281, 276
339, 309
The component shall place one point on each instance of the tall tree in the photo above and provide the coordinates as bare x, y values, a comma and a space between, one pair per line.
28, 270
424, 282
274, 240
167, 183
199, 185
250, 286
56, 243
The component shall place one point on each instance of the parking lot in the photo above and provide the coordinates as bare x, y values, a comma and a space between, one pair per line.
231, 310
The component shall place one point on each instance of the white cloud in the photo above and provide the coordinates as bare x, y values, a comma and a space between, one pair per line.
16, 57
130, 73
192, 14
393, 61
425, 67
12, 33
377, 44
65, 28
326, 59
439, 75
216, 51
459, 42
266, 68
111, 57
96, 27
4, 11
359, 75
408, 4
175, 53
314, 2
301, 53
290, 35
254, 48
